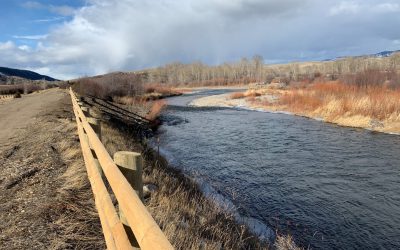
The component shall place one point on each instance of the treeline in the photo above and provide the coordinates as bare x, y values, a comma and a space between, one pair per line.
27, 88
353, 70
111, 85
254, 70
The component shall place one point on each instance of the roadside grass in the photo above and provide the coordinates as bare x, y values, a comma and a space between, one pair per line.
53, 206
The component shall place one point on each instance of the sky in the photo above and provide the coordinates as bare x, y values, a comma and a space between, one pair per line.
70, 39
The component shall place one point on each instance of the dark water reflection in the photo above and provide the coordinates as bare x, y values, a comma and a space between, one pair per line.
331, 187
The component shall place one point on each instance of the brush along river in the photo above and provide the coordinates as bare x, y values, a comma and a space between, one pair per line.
330, 187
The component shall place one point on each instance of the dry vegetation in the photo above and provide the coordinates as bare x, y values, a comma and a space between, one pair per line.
249, 94
367, 99
46, 201
186, 216
254, 70
25, 88
127, 89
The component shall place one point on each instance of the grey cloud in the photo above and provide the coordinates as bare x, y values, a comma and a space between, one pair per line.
255, 8
132, 34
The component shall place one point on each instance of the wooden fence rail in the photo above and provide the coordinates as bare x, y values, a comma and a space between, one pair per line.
135, 219
6, 97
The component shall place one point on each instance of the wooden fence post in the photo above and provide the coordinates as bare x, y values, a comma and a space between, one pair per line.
85, 111
131, 166
95, 124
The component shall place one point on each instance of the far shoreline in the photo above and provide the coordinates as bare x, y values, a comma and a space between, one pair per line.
224, 100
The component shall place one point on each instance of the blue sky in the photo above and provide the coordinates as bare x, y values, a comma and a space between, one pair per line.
21, 18
69, 39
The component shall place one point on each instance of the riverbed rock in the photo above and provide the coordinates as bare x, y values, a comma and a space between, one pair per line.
376, 124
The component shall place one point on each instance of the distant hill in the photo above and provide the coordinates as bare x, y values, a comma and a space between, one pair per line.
26, 74
385, 53
382, 54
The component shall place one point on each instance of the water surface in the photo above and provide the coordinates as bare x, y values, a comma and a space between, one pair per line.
329, 186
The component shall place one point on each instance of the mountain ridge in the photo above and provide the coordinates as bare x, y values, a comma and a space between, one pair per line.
26, 74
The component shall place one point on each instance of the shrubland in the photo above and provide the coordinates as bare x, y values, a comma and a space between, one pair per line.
366, 99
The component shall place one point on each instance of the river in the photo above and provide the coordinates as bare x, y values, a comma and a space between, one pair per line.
330, 187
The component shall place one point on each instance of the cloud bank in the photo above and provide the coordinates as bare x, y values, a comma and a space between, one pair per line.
115, 35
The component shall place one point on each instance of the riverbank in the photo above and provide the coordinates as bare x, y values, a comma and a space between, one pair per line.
291, 101
189, 219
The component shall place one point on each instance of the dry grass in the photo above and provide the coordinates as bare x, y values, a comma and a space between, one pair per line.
237, 95
156, 109
52, 208
248, 93
374, 106
335, 99
163, 90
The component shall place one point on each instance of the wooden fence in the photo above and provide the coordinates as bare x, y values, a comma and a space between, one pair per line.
5, 97
132, 226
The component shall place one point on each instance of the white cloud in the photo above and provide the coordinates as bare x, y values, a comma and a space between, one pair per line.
131, 34
345, 8
352, 7
24, 47
33, 37
388, 7
54, 19
7, 45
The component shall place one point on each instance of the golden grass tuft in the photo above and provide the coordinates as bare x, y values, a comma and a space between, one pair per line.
156, 109
237, 95
249, 94
345, 104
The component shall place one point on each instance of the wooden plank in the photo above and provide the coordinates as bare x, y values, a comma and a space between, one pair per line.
146, 230
113, 230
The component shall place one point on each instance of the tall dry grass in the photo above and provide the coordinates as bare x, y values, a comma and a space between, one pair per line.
156, 109
161, 89
248, 94
334, 99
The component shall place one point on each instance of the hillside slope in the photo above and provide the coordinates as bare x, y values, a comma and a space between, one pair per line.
26, 74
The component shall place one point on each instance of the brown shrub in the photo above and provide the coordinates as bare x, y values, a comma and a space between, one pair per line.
160, 89
156, 109
106, 86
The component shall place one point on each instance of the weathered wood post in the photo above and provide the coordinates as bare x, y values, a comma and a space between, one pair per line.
96, 126
131, 166
85, 111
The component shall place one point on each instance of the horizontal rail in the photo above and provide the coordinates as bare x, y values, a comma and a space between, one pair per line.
112, 227
147, 233
7, 96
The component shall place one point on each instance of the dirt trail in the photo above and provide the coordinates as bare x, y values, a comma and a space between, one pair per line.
45, 196
17, 113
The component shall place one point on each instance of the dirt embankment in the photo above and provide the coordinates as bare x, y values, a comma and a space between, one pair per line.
45, 198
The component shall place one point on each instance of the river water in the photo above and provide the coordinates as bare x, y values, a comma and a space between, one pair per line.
330, 187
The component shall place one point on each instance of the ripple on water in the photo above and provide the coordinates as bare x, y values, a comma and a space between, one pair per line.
331, 187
